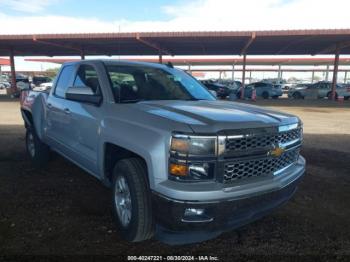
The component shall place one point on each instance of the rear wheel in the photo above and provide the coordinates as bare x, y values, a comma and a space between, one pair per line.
297, 95
265, 95
37, 150
131, 198
275, 97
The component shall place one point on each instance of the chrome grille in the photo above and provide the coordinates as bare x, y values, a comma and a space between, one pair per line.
242, 169
247, 142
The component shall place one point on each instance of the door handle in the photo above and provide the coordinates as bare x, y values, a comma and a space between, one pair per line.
67, 111
49, 105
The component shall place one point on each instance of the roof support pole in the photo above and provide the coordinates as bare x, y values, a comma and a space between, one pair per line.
313, 77
160, 58
220, 75
82, 54
233, 72
279, 72
335, 72
346, 76
250, 76
243, 75
13, 71
327, 73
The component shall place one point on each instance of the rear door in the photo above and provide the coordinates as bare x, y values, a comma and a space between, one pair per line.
58, 120
323, 89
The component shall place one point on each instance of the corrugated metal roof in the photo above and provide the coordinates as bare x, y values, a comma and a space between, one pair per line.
281, 42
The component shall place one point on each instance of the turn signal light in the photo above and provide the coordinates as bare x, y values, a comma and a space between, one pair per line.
178, 170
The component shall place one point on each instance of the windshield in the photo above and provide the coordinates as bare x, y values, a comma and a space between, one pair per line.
139, 83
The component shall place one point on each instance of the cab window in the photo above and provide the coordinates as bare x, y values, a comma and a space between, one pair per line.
63, 81
87, 77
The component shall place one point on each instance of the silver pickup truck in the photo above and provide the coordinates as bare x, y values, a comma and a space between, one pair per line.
182, 166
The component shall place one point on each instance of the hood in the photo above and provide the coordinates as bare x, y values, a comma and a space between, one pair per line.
215, 116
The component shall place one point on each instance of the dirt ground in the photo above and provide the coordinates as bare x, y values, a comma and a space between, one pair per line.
62, 211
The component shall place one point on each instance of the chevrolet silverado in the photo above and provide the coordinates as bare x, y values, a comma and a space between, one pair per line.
182, 166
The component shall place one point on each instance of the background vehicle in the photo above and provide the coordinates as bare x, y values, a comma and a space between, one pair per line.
320, 89
43, 87
182, 165
221, 90
275, 81
264, 90
38, 80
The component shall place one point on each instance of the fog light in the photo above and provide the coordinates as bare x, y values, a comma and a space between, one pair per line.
178, 170
196, 215
193, 212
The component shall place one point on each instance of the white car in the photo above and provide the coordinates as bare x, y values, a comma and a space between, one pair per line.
43, 87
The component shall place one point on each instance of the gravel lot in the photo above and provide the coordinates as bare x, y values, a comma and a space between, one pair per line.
61, 210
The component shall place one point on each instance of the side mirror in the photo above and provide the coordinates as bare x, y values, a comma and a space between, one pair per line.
83, 94
213, 93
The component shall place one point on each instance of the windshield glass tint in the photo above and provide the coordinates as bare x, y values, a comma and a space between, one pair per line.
137, 83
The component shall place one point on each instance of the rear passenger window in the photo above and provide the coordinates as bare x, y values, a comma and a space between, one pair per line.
64, 81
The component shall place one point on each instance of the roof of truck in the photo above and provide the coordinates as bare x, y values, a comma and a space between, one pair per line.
119, 62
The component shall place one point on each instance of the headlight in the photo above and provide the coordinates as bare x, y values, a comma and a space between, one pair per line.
193, 145
192, 157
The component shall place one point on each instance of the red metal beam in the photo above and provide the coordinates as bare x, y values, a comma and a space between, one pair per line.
35, 39
243, 75
335, 73
13, 71
153, 45
333, 48
250, 41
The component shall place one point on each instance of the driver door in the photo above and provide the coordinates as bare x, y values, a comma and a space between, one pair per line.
84, 128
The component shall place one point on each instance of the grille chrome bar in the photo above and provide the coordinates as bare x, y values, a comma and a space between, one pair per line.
265, 166
263, 141
249, 154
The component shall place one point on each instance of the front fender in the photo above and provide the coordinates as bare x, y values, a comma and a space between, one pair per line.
149, 143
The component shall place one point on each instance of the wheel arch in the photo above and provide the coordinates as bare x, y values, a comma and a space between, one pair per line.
27, 117
112, 153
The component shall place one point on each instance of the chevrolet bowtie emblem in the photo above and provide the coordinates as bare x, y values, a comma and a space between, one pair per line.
276, 151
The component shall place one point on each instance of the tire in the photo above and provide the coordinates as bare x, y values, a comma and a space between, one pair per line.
265, 95
38, 152
297, 95
346, 97
275, 97
329, 96
137, 222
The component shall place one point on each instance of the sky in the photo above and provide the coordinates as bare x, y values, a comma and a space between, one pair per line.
73, 16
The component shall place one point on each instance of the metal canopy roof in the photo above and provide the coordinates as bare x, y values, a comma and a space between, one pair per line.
221, 61
287, 42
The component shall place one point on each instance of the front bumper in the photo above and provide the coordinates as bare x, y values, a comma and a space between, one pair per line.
222, 214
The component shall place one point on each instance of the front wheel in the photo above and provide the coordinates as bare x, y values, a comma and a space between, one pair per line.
265, 95
131, 198
38, 152
329, 96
